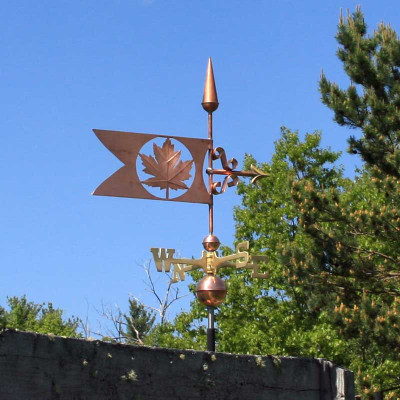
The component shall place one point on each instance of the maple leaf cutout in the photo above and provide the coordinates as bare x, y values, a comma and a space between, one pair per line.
169, 172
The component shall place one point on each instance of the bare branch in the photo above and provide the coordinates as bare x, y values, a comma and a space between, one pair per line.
118, 322
171, 294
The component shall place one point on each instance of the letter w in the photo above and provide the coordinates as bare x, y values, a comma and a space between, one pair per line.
163, 258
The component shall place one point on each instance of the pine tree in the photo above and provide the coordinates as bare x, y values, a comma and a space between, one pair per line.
372, 101
356, 229
139, 322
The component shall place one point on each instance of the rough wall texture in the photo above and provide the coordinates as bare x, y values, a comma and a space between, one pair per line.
42, 367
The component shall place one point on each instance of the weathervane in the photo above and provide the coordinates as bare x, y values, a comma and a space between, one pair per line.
182, 180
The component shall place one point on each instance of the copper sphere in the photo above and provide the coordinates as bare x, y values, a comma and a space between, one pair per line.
210, 106
211, 291
211, 243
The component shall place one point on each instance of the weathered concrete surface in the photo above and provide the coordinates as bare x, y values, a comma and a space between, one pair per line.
41, 367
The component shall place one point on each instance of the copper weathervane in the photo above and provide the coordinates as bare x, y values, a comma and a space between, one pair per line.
173, 171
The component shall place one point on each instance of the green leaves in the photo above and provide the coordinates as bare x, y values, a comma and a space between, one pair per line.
270, 316
41, 318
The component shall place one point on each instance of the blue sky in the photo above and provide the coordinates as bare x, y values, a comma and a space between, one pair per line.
139, 65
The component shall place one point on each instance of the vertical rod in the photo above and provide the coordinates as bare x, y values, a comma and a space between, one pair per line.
210, 177
210, 330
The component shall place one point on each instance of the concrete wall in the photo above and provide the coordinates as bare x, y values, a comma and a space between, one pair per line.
42, 367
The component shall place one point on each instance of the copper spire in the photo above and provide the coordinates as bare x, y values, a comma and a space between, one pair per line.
210, 98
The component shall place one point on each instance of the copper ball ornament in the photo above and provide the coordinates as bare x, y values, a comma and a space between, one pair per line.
211, 291
211, 243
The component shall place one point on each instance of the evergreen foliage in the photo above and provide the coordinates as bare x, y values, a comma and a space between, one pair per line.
372, 101
139, 322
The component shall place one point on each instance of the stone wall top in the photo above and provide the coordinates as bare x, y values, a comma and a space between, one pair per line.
35, 366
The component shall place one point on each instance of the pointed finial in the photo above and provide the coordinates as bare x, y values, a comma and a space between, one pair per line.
210, 98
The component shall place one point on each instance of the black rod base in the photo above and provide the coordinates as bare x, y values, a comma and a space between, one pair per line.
210, 339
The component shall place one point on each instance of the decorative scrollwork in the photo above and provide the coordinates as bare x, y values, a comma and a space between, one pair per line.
229, 181
219, 154
231, 178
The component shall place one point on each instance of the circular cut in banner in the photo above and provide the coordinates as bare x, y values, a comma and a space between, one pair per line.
165, 165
